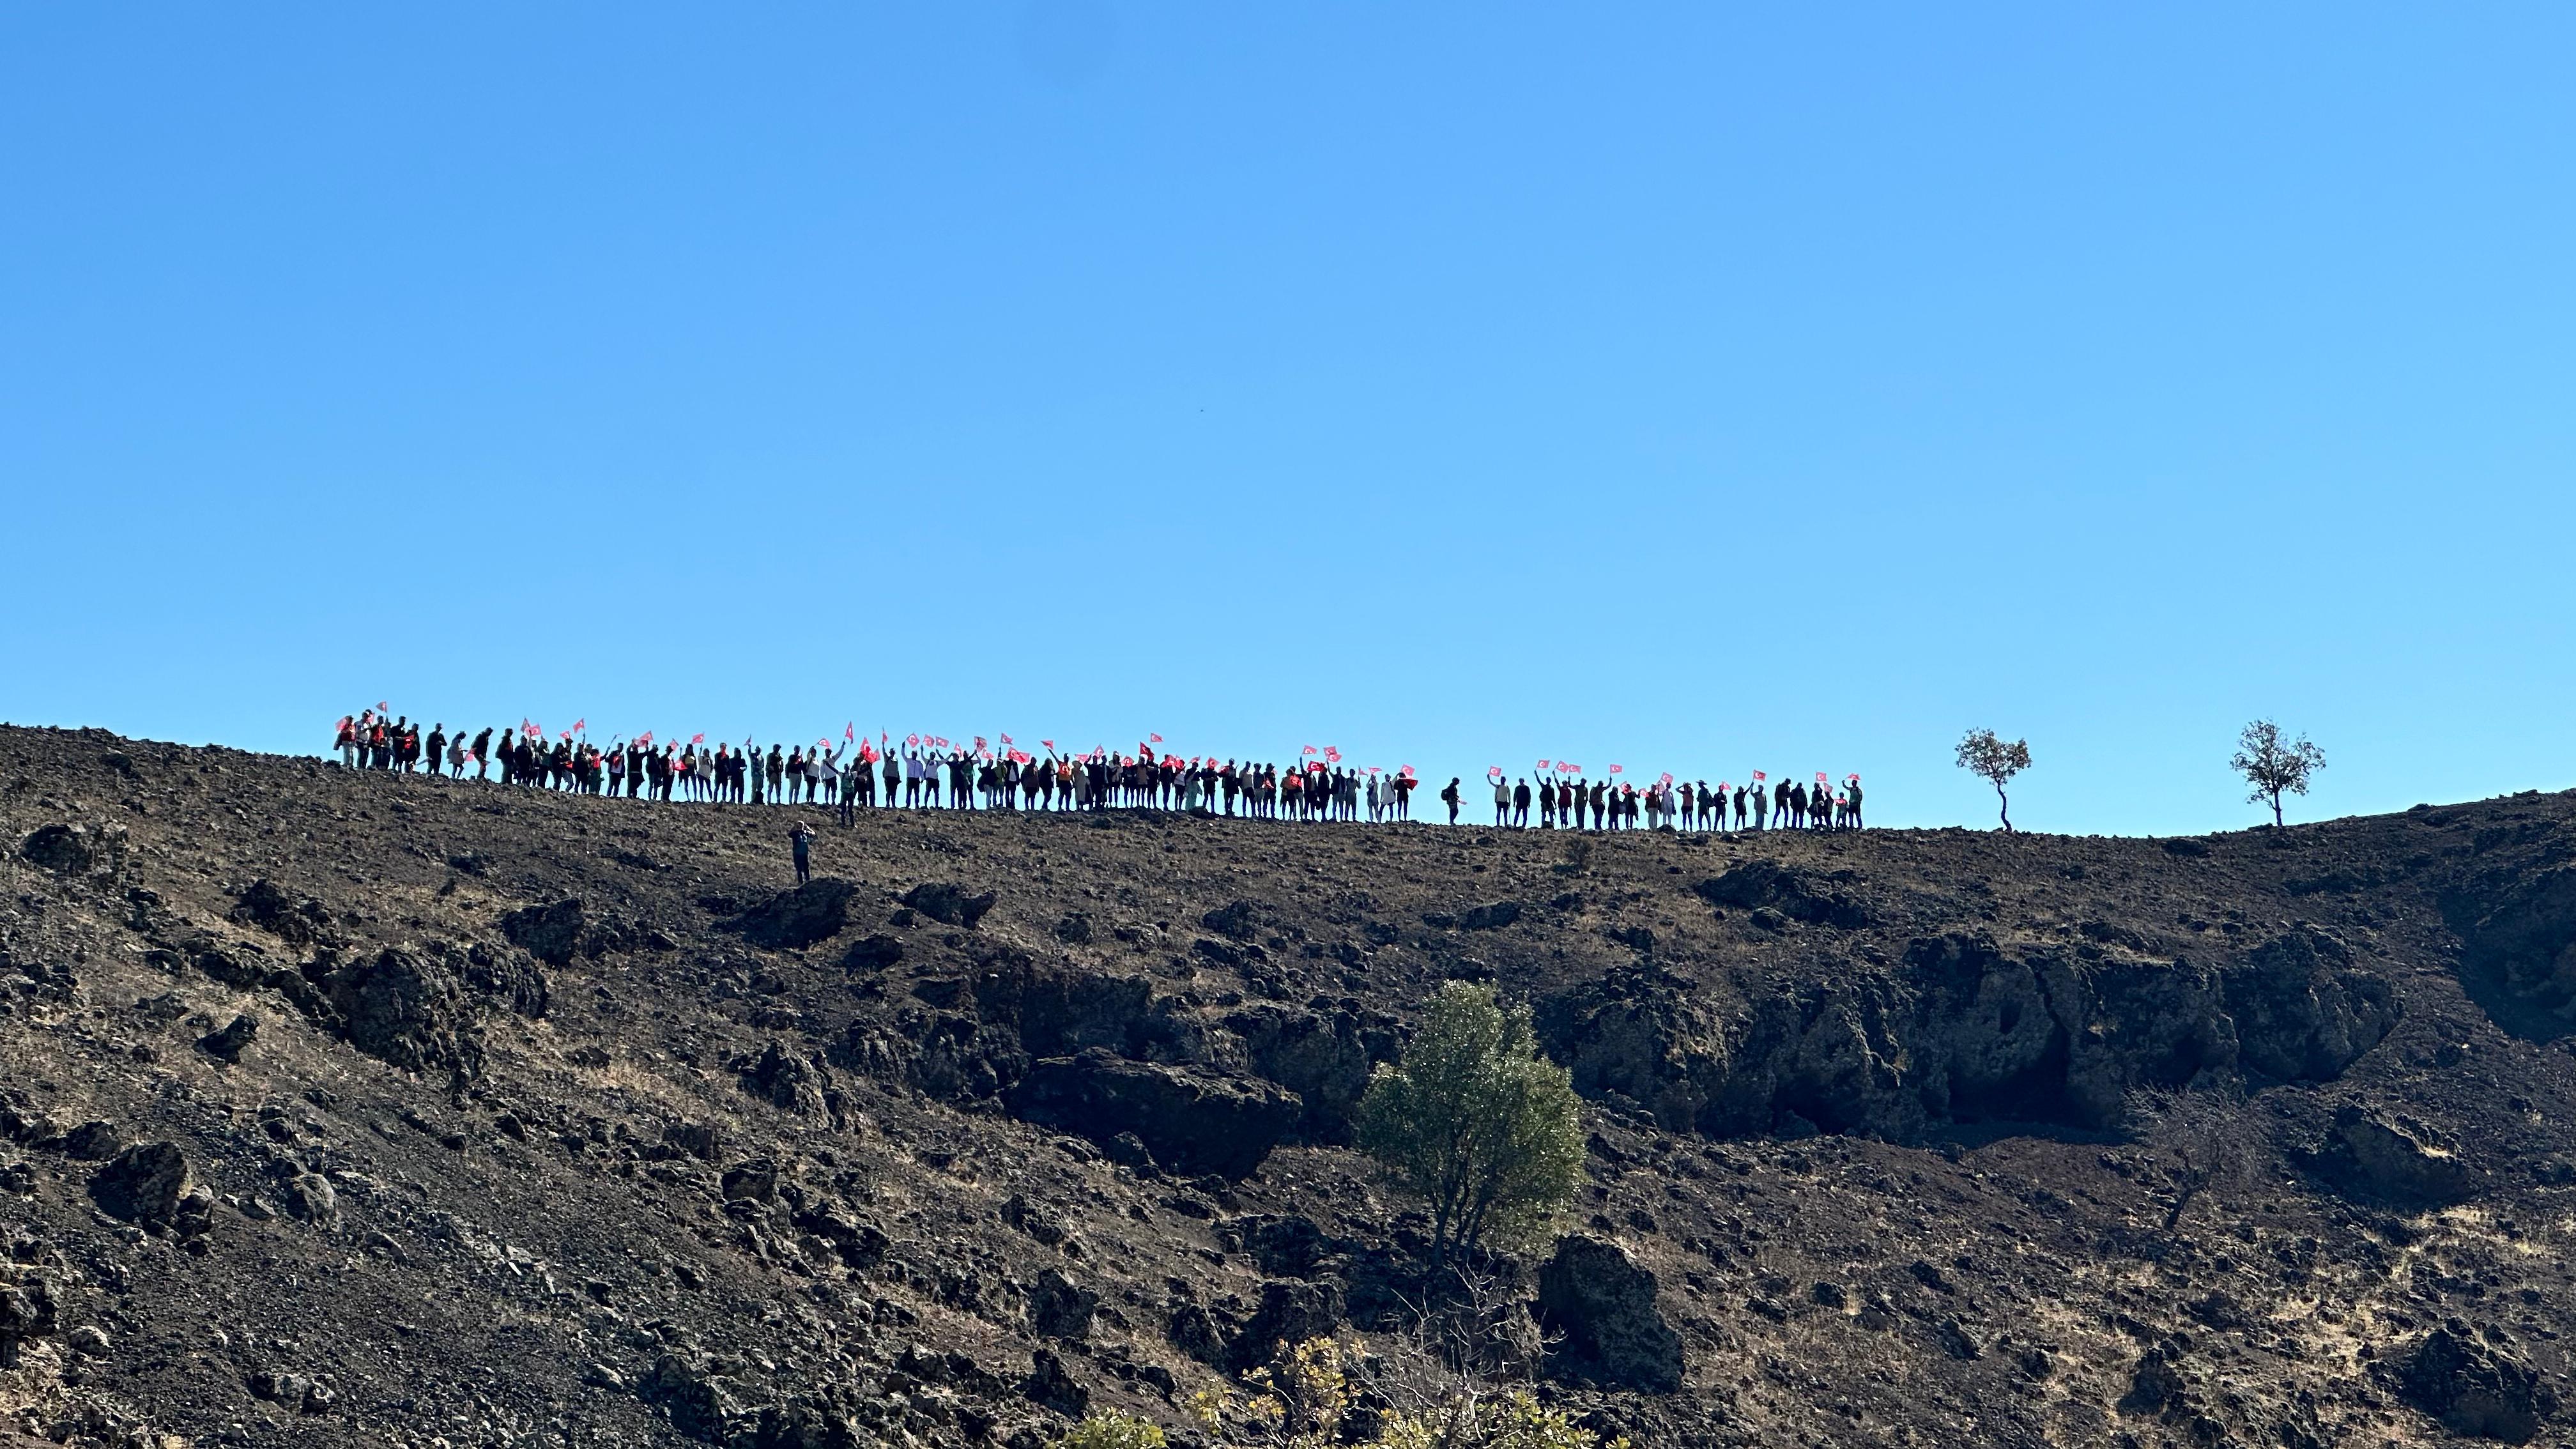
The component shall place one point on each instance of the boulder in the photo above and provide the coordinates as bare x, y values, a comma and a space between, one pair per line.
1049, 1386
551, 933
1192, 1122
227, 1044
949, 904
786, 1080
1233, 920
1325, 1058
1769, 885
2303, 1011
794, 919
265, 905
700, 1404
1059, 1011
872, 953
144, 1184
1060, 1308
2472, 1388
62, 849
2397, 1159
308, 1198
511, 978
28, 1309
1291, 1312
1492, 916
92, 1142
404, 1008
1600, 1308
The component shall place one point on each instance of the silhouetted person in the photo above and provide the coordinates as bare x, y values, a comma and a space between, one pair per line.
802, 840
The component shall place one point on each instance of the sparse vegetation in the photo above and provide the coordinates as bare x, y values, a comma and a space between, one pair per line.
1313, 1397
1984, 754
2274, 766
1475, 1121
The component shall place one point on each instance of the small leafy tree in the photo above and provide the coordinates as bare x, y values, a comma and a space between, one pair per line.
1475, 1121
1983, 754
2275, 766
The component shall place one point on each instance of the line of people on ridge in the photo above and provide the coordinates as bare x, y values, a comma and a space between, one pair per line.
1680, 805
934, 774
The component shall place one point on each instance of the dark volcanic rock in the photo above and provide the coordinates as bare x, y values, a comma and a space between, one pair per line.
404, 1008
1291, 1312
145, 1184
1060, 1308
872, 953
1324, 1058
551, 933
267, 906
62, 849
792, 920
1769, 885
1603, 1306
28, 1310
784, 1078
949, 904
1191, 1122
2472, 1388
1492, 916
2394, 1159
1050, 1386
227, 1044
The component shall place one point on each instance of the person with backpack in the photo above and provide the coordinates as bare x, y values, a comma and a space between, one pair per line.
1449, 797
800, 838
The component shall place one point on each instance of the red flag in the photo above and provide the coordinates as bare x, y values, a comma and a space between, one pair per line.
1823, 779
1333, 754
380, 704
579, 723
1006, 739
700, 738
567, 734
1668, 778
645, 738
1614, 769
1406, 772
1153, 739
1310, 749
979, 742
1050, 744
912, 739
1568, 767
1493, 772
345, 722
849, 732
1759, 777
1542, 764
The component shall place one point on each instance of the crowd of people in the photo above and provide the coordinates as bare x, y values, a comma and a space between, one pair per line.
931, 773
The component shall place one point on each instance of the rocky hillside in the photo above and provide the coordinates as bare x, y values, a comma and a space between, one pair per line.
377, 1111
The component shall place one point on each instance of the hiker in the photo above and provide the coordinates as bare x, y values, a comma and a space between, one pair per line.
801, 838
1449, 797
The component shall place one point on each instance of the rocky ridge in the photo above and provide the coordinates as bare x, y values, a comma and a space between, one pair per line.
366, 1110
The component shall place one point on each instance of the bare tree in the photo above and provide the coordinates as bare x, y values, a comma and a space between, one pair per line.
1983, 754
2275, 766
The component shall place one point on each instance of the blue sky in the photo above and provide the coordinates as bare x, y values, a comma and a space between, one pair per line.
1696, 387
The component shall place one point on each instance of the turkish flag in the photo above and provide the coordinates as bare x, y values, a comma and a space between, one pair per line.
1614, 769
700, 738
1153, 739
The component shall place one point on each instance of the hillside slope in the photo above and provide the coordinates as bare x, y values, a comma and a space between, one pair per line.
363, 1110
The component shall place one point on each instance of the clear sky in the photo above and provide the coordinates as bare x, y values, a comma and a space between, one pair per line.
1701, 387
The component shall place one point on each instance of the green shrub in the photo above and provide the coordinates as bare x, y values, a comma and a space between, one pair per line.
1475, 1121
1111, 1430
